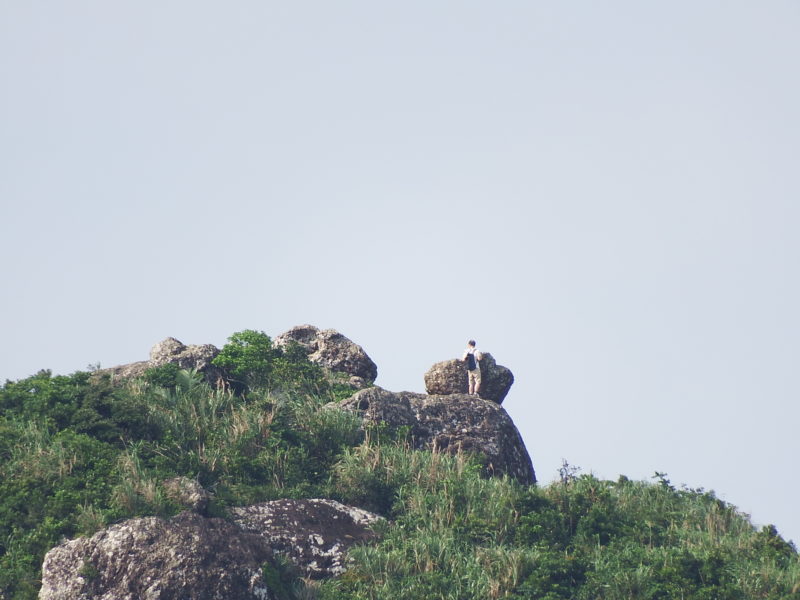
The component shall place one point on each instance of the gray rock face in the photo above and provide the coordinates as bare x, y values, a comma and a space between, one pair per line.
330, 349
170, 350
450, 377
198, 558
187, 556
314, 534
450, 422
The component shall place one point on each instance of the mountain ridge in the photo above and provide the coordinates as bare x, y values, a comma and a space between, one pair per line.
92, 451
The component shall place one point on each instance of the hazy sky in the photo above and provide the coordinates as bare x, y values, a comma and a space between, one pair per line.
603, 194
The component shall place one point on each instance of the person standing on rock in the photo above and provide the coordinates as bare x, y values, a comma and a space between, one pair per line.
472, 357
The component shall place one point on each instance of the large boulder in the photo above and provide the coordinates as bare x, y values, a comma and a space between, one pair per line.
314, 534
330, 349
452, 423
198, 558
187, 556
450, 377
193, 357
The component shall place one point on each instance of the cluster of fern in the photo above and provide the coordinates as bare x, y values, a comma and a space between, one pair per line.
80, 452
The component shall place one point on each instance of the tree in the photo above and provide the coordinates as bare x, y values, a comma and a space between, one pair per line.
248, 358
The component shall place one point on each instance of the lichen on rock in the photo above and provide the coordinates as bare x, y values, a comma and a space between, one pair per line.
314, 534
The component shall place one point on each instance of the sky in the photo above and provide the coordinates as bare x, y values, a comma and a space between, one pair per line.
603, 195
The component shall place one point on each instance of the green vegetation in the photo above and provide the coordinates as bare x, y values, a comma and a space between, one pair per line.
456, 535
79, 452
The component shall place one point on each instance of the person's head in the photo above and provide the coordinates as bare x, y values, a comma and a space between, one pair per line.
471, 343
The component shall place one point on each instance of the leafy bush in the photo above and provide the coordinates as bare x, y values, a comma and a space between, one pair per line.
163, 376
248, 358
45, 483
253, 363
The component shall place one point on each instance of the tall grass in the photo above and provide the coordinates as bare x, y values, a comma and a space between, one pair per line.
451, 528
35, 450
456, 535
138, 492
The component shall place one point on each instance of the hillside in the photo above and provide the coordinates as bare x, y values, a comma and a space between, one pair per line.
303, 480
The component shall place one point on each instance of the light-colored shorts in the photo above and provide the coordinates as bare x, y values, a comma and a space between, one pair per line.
475, 376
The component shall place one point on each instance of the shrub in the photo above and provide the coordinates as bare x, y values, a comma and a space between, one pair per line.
248, 359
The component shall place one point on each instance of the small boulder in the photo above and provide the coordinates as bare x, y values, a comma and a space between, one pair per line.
332, 350
450, 377
452, 423
314, 534
187, 493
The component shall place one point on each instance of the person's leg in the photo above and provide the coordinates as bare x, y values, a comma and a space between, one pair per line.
477, 380
471, 379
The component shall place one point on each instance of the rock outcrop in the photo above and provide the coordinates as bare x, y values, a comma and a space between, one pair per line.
313, 534
330, 349
200, 558
187, 556
327, 348
450, 422
450, 377
190, 556
173, 351
170, 350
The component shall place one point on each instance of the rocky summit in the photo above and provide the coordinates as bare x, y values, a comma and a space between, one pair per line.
198, 557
